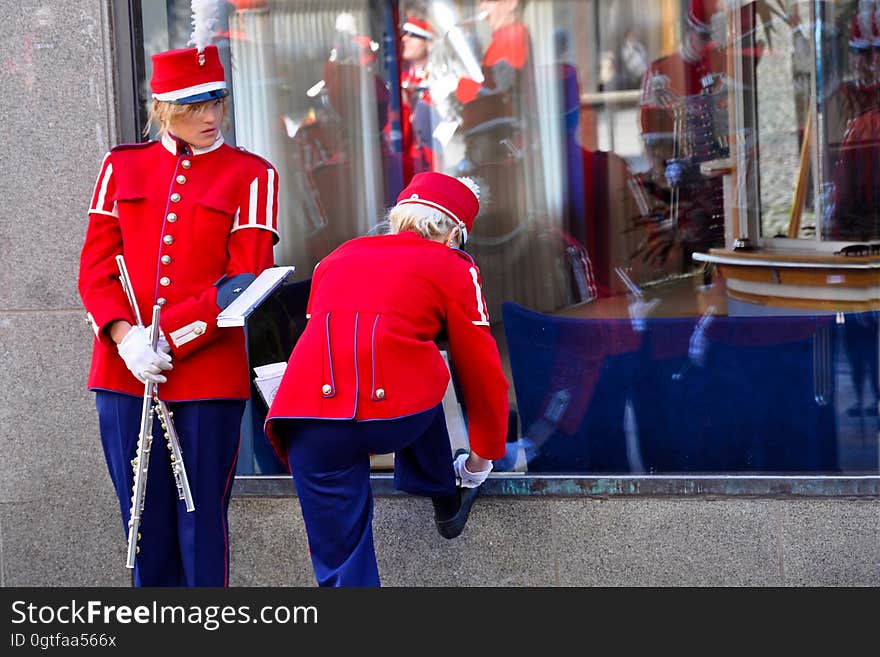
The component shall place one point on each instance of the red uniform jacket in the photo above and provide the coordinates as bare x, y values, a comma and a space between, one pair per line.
182, 222
368, 352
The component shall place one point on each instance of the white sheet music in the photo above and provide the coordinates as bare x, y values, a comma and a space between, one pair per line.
238, 311
268, 379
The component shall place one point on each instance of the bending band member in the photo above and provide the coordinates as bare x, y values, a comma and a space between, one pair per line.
195, 220
366, 377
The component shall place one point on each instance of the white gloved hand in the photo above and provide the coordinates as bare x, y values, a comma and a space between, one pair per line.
162, 346
639, 310
464, 477
140, 358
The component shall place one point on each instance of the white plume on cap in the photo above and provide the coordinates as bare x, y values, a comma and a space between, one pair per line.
205, 20
471, 184
345, 23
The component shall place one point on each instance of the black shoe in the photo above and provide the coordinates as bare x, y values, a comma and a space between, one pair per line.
451, 512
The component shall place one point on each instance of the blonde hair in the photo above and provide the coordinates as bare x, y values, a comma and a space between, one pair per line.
163, 113
426, 221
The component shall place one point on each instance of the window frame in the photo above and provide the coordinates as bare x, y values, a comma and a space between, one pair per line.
127, 40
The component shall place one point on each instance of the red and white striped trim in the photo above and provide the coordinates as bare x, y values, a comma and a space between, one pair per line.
177, 94
481, 307
100, 204
259, 210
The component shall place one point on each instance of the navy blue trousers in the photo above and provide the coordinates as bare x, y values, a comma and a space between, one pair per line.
177, 548
330, 461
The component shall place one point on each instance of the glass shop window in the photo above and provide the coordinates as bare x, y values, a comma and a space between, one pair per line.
678, 233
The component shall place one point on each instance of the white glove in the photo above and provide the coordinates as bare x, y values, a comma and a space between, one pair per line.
464, 477
639, 310
137, 352
697, 344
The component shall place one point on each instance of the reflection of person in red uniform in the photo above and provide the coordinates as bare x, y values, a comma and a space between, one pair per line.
506, 55
678, 75
681, 127
416, 118
859, 92
327, 143
515, 241
853, 211
196, 222
490, 108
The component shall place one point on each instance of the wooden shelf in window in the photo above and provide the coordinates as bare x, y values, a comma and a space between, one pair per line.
802, 279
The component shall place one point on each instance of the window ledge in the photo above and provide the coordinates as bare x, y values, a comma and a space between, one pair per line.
513, 485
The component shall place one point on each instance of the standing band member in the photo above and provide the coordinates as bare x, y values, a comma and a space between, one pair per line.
367, 377
195, 221
418, 114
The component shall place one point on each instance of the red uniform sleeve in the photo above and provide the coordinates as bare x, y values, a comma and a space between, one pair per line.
477, 365
98, 281
192, 324
509, 44
467, 90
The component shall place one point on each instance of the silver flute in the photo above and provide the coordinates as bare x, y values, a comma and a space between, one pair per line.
141, 460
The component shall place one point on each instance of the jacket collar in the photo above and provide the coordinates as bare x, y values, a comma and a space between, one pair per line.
177, 146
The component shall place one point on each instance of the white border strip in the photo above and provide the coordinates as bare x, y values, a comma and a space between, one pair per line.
418, 31
177, 94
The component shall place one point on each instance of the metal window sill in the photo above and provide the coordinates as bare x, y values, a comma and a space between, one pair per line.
566, 485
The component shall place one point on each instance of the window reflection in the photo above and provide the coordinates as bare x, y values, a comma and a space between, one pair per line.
631, 157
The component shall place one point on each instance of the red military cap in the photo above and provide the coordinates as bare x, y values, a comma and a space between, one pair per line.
188, 76
700, 14
418, 27
876, 40
861, 33
452, 196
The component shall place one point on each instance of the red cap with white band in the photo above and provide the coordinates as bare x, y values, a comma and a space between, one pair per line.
418, 27
452, 196
188, 76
